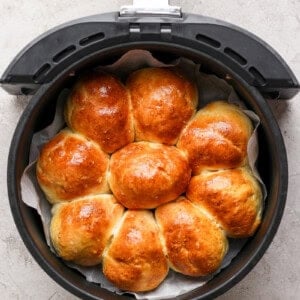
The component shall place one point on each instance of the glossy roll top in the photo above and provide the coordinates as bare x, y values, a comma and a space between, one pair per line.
233, 198
145, 175
217, 137
194, 243
163, 101
71, 166
80, 230
99, 108
135, 260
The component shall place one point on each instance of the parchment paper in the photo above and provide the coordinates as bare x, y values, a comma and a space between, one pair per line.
211, 88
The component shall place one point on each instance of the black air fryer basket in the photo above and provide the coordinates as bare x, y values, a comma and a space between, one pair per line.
49, 64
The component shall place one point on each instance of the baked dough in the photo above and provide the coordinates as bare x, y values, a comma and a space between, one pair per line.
128, 198
145, 175
80, 230
217, 137
135, 260
233, 197
163, 101
71, 166
194, 243
99, 108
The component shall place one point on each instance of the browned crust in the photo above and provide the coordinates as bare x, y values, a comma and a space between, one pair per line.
99, 108
145, 175
233, 197
135, 260
81, 229
163, 101
217, 137
70, 166
195, 245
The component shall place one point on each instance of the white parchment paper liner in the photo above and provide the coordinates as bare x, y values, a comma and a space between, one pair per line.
211, 88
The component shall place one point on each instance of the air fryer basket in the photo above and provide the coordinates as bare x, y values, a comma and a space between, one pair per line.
222, 49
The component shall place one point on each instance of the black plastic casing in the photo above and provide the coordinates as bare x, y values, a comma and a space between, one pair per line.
155, 37
248, 56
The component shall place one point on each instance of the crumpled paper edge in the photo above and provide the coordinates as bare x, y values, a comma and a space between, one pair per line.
175, 284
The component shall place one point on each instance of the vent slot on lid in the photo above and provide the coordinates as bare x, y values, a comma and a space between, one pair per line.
134, 27
207, 40
41, 72
235, 56
92, 38
64, 53
165, 28
257, 75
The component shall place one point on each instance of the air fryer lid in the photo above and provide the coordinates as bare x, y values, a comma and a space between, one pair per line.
58, 49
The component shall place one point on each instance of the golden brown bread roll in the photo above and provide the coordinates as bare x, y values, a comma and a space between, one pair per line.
70, 166
233, 197
99, 108
163, 101
194, 243
145, 175
81, 229
217, 137
135, 261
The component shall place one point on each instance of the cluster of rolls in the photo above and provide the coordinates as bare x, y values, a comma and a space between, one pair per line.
142, 182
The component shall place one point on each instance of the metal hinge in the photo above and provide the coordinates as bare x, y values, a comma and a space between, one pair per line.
152, 7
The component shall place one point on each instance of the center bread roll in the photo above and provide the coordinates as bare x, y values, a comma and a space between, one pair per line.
134, 261
144, 175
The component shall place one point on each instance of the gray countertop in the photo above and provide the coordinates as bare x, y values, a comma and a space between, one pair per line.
277, 275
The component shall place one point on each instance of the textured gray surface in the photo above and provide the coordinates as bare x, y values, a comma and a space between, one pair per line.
277, 275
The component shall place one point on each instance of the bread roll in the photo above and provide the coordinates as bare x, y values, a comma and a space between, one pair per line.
217, 137
194, 243
145, 175
233, 197
135, 261
70, 166
163, 101
99, 108
81, 229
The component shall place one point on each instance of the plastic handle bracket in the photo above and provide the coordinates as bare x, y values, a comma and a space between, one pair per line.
69, 48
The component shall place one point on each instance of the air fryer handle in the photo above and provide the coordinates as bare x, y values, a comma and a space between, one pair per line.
59, 49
